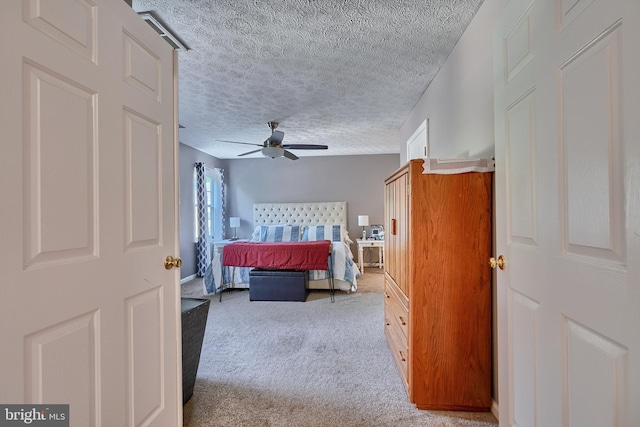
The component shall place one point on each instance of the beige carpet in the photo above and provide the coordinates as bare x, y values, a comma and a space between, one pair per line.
312, 363
371, 281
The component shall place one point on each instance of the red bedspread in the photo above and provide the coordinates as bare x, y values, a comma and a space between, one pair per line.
278, 255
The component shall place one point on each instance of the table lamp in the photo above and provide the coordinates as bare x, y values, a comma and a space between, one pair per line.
234, 222
363, 221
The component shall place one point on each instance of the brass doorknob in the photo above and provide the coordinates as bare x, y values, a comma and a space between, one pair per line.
171, 262
501, 263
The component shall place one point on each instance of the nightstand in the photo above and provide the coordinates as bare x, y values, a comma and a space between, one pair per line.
370, 243
218, 248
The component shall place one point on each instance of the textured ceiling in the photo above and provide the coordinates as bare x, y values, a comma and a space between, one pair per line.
336, 72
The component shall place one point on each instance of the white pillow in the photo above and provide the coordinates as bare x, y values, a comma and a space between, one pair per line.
333, 232
277, 233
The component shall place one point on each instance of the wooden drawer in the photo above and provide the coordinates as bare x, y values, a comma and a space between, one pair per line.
398, 345
396, 319
395, 308
395, 313
394, 290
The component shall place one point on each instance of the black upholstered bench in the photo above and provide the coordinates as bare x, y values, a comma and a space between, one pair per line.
278, 285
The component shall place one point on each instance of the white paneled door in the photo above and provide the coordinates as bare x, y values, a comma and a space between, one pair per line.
567, 108
89, 316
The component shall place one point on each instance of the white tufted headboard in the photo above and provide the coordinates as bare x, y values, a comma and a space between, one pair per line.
300, 213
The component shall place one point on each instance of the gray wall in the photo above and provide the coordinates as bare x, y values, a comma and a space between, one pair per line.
358, 180
189, 156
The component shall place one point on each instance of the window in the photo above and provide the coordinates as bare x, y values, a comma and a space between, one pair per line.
214, 197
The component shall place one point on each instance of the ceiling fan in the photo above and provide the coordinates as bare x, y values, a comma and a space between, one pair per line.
273, 147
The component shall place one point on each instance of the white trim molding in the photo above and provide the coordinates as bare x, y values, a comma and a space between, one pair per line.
188, 278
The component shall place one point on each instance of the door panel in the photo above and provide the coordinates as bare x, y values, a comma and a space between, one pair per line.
591, 173
62, 365
402, 230
142, 68
586, 350
59, 201
145, 361
522, 387
566, 155
75, 28
143, 197
88, 314
520, 148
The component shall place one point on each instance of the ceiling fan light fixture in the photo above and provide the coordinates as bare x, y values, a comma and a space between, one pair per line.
273, 152
273, 147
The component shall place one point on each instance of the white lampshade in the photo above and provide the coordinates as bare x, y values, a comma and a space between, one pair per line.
363, 220
234, 222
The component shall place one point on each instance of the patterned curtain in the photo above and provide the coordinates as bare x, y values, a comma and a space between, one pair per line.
203, 229
223, 204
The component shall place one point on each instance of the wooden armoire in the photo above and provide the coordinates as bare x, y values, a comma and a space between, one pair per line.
438, 284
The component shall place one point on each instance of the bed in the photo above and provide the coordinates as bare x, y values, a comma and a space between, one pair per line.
293, 222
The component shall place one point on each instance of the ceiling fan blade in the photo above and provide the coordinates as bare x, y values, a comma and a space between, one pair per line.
276, 137
305, 146
250, 152
290, 155
238, 142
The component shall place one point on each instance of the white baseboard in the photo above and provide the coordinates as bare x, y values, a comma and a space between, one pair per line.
188, 278
494, 409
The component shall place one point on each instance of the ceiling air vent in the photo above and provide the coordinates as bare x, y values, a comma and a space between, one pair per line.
156, 24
